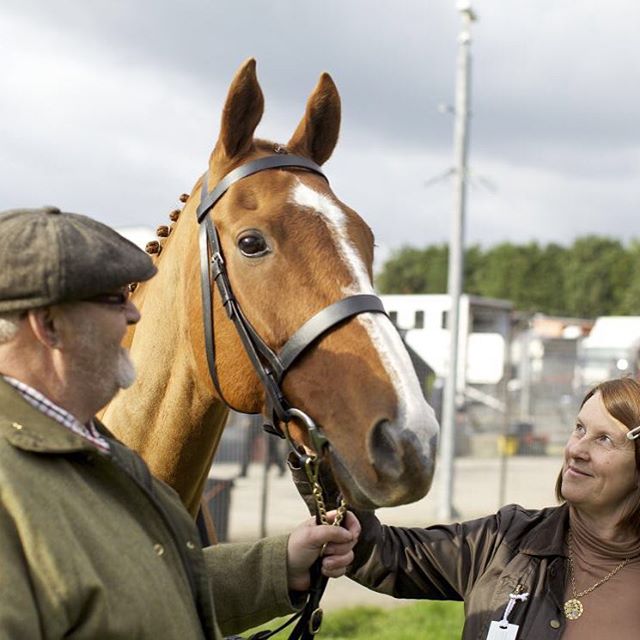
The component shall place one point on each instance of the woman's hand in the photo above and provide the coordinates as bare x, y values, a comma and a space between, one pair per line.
308, 541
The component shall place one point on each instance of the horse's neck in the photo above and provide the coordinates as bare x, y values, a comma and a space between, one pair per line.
166, 419
170, 415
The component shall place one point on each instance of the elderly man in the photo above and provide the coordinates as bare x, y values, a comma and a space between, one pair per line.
92, 545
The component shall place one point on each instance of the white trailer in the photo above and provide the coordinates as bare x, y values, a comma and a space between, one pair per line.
483, 341
612, 349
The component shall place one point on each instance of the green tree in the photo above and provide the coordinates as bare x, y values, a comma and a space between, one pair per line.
473, 260
412, 270
546, 281
629, 303
596, 276
507, 271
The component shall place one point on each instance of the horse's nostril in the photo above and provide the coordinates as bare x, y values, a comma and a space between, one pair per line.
385, 450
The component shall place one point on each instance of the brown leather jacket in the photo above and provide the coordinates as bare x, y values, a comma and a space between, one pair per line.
480, 562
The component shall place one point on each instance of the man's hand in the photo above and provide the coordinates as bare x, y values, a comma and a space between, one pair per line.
306, 543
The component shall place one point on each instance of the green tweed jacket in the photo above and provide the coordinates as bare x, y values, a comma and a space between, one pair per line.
92, 547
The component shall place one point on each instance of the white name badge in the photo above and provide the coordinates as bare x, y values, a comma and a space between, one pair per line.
502, 631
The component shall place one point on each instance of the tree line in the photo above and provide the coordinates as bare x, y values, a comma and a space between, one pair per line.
595, 276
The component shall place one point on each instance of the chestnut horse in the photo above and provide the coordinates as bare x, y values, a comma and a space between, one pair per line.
291, 248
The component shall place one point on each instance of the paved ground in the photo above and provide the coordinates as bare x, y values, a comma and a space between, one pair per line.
530, 481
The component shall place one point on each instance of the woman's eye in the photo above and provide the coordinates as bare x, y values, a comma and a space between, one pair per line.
253, 245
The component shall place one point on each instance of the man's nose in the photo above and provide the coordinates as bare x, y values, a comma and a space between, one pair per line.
131, 312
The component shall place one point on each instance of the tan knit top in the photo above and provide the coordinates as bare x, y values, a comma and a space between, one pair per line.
612, 610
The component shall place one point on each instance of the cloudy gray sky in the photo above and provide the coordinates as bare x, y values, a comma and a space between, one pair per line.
111, 107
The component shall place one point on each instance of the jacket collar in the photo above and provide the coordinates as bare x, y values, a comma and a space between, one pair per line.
548, 538
31, 430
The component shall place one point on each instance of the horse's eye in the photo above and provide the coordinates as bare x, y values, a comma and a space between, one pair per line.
253, 245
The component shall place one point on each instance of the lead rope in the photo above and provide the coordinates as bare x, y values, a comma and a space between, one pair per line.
310, 616
311, 465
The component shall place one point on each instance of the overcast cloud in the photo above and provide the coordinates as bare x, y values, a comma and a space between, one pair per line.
111, 107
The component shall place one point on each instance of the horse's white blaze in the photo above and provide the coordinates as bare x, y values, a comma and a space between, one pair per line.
337, 223
413, 411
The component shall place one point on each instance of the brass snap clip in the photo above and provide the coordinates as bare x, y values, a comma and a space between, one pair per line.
315, 621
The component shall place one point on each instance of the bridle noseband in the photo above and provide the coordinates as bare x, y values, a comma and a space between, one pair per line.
270, 366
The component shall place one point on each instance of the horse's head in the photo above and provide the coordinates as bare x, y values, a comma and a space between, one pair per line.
292, 248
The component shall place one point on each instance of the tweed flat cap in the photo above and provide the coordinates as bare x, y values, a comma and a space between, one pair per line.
48, 256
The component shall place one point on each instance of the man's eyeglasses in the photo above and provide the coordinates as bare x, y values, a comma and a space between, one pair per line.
117, 299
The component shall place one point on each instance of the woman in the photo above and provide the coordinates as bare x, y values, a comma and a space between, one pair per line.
571, 571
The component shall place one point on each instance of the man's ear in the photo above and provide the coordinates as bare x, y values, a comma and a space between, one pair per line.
44, 324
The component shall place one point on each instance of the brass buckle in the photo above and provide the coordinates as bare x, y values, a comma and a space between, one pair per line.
315, 621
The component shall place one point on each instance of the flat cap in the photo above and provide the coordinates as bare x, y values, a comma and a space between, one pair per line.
48, 256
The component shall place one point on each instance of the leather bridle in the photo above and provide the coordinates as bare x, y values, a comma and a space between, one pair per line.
270, 366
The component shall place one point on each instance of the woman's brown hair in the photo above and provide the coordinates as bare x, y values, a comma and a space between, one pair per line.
621, 399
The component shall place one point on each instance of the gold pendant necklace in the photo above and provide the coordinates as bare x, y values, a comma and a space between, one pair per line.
573, 608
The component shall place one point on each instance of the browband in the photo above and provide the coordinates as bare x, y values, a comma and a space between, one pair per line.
255, 166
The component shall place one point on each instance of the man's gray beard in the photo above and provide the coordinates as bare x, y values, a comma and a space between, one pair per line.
126, 370
88, 368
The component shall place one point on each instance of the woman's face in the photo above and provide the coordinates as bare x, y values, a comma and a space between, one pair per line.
599, 472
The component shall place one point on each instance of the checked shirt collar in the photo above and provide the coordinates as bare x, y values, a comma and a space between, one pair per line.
52, 410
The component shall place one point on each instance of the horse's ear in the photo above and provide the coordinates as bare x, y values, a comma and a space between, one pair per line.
317, 133
242, 112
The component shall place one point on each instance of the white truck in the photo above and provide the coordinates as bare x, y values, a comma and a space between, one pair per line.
612, 349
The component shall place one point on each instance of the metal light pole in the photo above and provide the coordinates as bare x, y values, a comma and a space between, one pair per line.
456, 258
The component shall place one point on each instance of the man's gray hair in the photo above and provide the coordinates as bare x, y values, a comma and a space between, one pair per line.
9, 325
